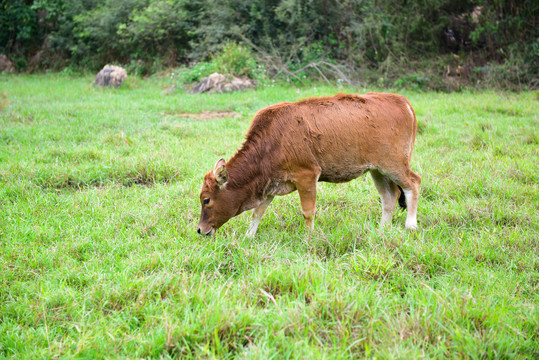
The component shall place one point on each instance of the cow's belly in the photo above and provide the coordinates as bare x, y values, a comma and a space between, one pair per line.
343, 169
340, 175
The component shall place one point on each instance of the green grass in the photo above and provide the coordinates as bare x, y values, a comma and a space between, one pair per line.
100, 258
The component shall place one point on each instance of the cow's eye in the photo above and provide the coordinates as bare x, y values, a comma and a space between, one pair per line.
206, 201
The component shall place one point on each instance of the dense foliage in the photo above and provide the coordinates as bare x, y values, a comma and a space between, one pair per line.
496, 37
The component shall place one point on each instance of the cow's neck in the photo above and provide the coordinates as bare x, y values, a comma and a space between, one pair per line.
248, 174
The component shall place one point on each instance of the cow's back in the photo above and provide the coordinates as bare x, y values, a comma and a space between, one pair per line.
343, 135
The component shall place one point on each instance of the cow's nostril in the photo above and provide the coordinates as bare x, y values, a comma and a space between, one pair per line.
198, 231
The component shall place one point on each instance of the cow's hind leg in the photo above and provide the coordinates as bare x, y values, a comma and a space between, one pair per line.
257, 215
389, 193
409, 181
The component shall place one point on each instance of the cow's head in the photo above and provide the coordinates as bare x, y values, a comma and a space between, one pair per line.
219, 204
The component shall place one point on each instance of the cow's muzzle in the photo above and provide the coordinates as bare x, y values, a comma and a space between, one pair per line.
209, 232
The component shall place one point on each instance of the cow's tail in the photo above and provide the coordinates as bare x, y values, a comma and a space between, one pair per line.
402, 199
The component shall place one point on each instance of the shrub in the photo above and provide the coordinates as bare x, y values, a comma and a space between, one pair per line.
236, 60
159, 30
196, 72
233, 59
416, 81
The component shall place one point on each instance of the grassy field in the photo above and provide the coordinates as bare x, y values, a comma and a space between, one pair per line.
100, 258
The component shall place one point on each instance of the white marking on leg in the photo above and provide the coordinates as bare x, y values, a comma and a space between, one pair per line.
258, 212
387, 215
253, 226
411, 218
387, 210
386, 188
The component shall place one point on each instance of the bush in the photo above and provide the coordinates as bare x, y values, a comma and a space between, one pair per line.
233, 59
236, 60
158, 31
416, 81
196, 72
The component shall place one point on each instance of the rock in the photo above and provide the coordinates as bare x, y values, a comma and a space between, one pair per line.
218, 83
208, 83
6, 64
240, 84
110, 75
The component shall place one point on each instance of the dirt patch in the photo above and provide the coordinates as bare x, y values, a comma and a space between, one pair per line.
205, 115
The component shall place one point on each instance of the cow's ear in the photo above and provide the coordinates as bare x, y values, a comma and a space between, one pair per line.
219, 163
221, 175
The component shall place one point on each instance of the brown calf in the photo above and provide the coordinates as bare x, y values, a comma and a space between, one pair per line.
292, 146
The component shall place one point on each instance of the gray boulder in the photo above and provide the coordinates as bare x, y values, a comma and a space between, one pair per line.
110, 75
219, 83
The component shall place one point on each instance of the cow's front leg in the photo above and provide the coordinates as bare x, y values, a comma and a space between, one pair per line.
306, 185
258, 212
